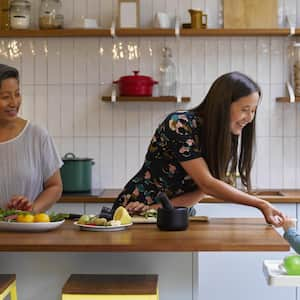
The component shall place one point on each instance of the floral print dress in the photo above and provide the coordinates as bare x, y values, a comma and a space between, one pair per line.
175, 140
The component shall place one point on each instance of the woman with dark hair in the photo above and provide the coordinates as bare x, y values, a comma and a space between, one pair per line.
29, 163
192, 151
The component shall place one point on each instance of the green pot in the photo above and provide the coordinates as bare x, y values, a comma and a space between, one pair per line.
76, 173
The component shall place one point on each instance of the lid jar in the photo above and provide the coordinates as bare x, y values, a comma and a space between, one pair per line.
20, 14
50, 16
296, 68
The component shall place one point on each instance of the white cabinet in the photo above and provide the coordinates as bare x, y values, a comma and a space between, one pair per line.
238, 275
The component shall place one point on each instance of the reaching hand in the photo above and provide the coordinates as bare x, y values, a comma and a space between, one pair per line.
19, 202
288, 223
136, 207
273, 215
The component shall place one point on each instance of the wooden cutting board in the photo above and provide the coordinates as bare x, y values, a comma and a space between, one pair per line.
250, 13
151, 220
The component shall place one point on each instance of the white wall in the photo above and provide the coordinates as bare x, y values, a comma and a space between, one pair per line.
63, 80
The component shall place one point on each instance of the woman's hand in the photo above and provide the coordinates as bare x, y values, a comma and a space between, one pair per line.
19, 202
136, 207
288, 223
272, 215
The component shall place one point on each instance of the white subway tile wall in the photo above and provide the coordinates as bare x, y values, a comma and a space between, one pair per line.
63, 80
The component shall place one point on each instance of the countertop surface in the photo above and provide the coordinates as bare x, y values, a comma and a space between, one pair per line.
109, 196
219, 234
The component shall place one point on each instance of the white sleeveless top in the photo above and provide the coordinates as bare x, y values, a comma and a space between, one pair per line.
26, 162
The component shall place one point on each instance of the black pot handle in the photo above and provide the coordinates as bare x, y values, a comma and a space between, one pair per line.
69, 155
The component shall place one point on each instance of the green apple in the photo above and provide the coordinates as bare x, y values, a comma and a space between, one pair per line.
83, 219
291, 264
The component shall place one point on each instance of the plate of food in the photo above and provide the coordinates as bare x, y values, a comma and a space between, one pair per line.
25, 221
121, 221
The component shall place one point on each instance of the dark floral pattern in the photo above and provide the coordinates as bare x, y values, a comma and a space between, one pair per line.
175, 140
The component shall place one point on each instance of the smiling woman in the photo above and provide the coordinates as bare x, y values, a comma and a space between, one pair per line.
192, 151
29, 162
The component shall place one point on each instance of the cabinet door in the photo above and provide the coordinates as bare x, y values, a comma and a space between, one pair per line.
237, 275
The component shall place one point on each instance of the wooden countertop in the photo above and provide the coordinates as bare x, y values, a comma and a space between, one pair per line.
109, 196
230, 234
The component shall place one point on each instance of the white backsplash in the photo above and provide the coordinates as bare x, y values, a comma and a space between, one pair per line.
63, 80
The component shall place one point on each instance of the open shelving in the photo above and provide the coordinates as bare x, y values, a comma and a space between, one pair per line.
149, 32
140, 32
145, 99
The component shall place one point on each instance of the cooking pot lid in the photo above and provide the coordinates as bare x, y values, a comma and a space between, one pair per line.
136, 76
72, 157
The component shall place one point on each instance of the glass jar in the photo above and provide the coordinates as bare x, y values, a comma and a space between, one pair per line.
167, 70
4, 15
50, 16
296, 68
20, 14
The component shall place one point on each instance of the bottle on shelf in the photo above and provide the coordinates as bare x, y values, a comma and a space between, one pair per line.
167, 70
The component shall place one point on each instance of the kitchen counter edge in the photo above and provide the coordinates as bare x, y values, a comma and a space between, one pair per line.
109, 196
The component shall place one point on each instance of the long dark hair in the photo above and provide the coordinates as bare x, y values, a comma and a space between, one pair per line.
8, 72
220, 146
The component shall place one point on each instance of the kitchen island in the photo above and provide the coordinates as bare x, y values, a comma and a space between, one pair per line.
43, 261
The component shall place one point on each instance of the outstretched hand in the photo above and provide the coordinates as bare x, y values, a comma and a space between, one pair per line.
272, 215
19, 202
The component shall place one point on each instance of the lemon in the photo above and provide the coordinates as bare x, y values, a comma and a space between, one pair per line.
122, 215
25, 218
41, 218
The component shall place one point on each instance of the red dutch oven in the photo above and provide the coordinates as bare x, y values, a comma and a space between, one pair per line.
135, 85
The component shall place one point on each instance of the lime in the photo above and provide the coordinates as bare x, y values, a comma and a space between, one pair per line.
83, 219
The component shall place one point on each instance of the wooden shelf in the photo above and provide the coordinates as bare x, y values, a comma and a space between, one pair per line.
286, 99
140, 32
235, 32
56, 33
146, 99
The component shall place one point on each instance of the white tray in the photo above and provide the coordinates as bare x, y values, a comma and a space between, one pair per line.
276, 277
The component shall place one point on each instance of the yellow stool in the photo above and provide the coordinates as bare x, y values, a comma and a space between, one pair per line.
110, 287
8, 286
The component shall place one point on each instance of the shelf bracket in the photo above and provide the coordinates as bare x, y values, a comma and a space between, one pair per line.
178, 93
113, 28
291, 20
177, 27
113, 95
291, 92
292, 31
